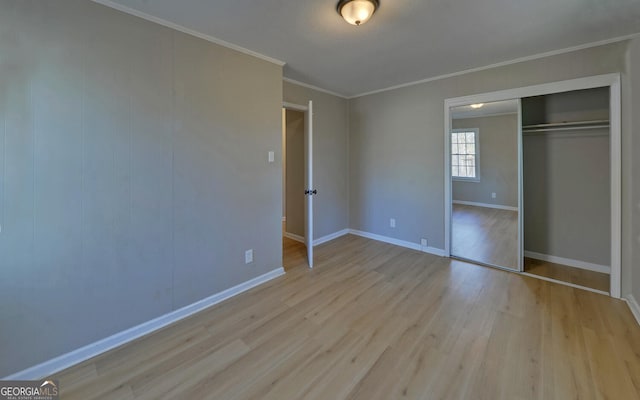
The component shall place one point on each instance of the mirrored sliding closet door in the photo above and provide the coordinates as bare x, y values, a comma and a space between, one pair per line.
485, 183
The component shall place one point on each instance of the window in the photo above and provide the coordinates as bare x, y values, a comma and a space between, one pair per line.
465, 154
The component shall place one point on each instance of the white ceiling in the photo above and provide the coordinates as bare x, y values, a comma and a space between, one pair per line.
487, 109
405, 41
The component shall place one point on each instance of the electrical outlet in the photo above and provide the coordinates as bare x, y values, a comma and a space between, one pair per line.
392, 223
423, 243
248, 256
271, 156
493, 195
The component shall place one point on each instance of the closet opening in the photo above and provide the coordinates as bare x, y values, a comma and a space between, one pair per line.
569, 181
566, 186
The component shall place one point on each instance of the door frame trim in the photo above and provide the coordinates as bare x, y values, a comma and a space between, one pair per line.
293, 106
308, 133
615, 104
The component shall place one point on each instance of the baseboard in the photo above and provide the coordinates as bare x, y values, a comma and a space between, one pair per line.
398, 242
433, 250
330, 237
633, 306
564, 283
293, 236
74, 357
569, 262
318, 241
485, 205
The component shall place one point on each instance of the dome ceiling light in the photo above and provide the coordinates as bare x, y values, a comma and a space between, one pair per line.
357, 12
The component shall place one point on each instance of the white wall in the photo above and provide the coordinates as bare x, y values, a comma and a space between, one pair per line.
134, 173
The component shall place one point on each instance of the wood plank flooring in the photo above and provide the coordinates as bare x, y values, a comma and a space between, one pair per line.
485, 234
491, 236
376, 321
577, 276
295, 253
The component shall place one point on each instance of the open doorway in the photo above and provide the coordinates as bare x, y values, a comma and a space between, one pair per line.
293, 126
297, 183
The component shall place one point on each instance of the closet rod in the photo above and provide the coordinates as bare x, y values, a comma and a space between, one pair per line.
564, 128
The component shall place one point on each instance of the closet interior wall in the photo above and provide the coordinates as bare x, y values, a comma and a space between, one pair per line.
566, 176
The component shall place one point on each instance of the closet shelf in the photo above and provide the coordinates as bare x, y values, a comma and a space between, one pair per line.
567, 126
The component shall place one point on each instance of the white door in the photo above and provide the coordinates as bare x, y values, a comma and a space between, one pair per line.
309, 190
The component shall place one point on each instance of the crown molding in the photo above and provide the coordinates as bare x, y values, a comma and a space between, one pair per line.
180, 28
503, 63
319, 89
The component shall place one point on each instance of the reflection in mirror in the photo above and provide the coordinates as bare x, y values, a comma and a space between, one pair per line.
484, 174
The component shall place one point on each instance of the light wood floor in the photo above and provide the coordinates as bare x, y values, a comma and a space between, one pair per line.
491, 236
294, 254
577, 276
376, 321
485, 234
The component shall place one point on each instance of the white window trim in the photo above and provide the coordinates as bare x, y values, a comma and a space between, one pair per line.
477, 134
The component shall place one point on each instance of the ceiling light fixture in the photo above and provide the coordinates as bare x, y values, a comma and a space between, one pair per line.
357, 12
479, 105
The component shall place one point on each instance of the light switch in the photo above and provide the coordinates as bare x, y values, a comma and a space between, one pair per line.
272, 156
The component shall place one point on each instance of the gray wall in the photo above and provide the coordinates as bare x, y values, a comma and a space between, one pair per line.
134, 173
295, 172
567, 178
498, 161
576, 105
567, 196
634, 149
330, 152
397, 141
